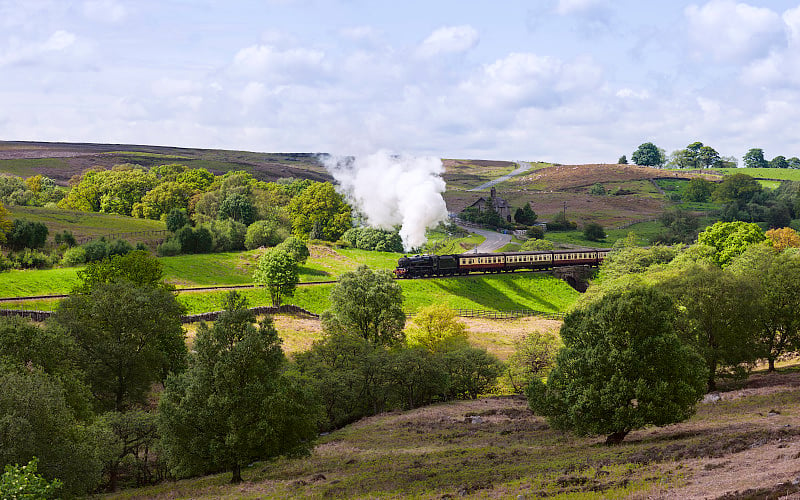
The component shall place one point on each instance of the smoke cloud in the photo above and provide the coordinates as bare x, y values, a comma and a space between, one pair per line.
394, 189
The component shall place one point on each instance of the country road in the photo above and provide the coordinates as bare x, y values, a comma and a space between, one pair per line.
524, 166
494, 240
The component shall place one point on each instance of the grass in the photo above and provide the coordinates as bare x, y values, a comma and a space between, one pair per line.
644, 231
27, 167
496, 292
440, 451
87, 224
784, 174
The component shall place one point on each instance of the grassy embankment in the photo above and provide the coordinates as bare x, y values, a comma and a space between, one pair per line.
500, 292
506, 452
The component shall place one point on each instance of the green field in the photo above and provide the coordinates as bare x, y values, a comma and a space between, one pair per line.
27, 167
784, 174
87, 224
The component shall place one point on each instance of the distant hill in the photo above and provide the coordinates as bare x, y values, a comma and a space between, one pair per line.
60, 161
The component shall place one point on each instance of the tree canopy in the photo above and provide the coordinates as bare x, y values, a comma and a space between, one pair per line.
622, 367
279, 272
754, 158
369, 304
319, 212
236, 403
730, 239
648, 154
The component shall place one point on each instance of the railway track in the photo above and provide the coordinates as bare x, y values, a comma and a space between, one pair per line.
213, 288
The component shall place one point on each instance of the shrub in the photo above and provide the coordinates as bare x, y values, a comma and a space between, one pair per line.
32, 259
226, 235
171, 246
96, 250
296, 248
66, 238
534, 356
263, 233
26, 234
23, 482
176, 219
471, 372
561, 223
593, 232
74, 256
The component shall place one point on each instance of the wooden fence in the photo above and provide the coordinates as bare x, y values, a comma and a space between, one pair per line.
114, 236
292, 309
191, 318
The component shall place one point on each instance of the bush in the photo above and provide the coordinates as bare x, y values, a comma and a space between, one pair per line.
534, 356
537, 245
176, 219
263, 233
66, 238
226, 235
119, 247
535, 233
296, 248
194, 240
594, 232
96, 250
32, 259
369, 238
471, 372
171, 246
74, 256
22, 482
26, 234
561, 223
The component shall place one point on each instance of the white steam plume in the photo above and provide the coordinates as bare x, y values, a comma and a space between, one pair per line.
394, 189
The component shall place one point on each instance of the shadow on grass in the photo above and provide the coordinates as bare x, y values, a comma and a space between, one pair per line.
481, 291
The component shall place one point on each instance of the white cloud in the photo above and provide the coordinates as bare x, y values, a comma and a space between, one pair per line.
570, 7
270, 63
104, 10
448, 40
627, 93
19, 52
727, 31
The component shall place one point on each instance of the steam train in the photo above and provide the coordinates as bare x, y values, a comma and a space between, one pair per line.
452, 265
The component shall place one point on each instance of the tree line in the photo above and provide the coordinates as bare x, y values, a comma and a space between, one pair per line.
698, 156
661, 325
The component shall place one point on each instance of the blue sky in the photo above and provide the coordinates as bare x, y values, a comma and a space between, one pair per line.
572, 81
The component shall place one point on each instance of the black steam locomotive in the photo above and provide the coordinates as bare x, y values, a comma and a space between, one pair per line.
451, 265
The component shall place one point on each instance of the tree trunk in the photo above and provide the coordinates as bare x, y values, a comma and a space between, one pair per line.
616, 438
237, 474
771, 364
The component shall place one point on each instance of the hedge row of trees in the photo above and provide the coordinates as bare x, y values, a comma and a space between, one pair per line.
697, 155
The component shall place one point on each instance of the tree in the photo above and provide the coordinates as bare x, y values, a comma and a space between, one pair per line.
593, 232
622, 367
110, 191
681, 226
369, 304
783, 238
36, 421
263, 233
717, 315
779, 162
623, 160
137, 267
793, 162
525, 215
5, 224
437, 329
127, 337
776, 276
730, 239
296, 248
176, 219
740, 188
708, 156
22, 482
754, 158
236, 403
534, 356
237, 207
194, 240
279, 272
697, 190
163, 199
319, 207
534, 245
26, 234
648, 154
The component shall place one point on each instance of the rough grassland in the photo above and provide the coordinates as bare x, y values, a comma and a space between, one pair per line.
87, 224
495, 448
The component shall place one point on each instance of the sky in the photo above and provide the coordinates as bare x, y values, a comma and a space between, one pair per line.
569, 81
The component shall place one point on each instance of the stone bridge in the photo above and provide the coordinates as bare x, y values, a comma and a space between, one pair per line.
576, 276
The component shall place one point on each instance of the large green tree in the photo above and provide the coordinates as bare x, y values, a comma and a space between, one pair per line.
127, 337
369, 304
717, 316
730, 239
319, 212
648, 154
776, 277
754, 158
236, 403
740, 188
279, 272
622, 367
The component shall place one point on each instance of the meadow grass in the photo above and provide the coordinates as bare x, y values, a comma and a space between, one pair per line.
86, 224
784, 174
27, 167
644, 232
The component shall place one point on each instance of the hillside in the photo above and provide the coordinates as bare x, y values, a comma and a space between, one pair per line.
60, 161
743, 445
